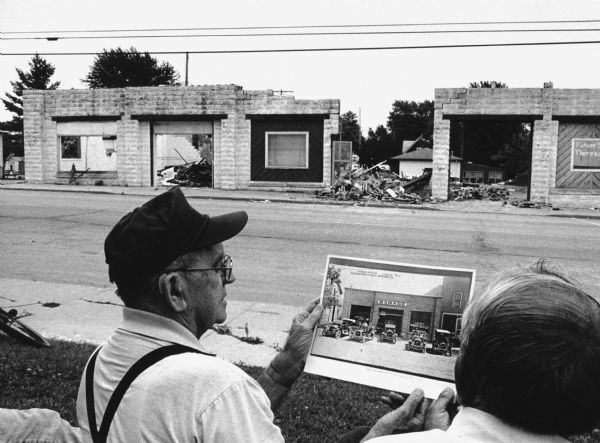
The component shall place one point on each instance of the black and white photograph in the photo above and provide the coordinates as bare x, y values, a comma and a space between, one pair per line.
314, 221
392, 317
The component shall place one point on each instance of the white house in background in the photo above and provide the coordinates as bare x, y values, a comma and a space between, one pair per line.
413, 163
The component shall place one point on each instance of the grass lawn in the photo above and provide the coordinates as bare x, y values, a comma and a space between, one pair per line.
316, 409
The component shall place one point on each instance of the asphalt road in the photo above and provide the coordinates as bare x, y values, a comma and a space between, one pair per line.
280, 256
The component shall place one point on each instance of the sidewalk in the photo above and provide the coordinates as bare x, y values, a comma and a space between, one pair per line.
89, 314
471, 206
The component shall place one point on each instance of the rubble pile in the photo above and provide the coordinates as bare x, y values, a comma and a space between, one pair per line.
197, 173
460, 191
371, 185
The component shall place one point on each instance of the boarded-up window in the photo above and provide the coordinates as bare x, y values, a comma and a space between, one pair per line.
286, 150
87, 146
95, 153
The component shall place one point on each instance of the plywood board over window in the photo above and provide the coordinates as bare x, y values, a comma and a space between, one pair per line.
87, 146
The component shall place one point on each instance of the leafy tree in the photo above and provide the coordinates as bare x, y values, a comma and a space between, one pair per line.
409, 119
351, 130
487, 84
118, 68
503, 143
37, 77
378, 146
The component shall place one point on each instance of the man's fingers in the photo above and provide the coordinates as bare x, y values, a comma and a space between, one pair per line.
314, 316
311, 305
444, 399
393, 399
411, 404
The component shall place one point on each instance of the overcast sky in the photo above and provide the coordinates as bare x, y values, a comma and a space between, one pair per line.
367, 80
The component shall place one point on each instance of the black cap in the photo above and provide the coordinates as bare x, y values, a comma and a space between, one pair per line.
150, 237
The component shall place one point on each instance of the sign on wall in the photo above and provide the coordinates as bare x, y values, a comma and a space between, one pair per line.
402, 304
585, 154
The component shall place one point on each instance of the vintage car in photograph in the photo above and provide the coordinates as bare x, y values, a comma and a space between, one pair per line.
389, 332
417, 341
361, 333
441, 343
339, 328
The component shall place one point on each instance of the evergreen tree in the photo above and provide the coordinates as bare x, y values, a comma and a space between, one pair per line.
37, 77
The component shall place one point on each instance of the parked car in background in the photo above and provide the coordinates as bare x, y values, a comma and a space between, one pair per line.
362, 333
441, 343
389, 332
339, 328
417, 341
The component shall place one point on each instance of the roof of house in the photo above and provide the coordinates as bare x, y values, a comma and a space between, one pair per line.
420, 154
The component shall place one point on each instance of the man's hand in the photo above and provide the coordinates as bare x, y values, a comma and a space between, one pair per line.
441, 412
410, 417
301, 331
290, 362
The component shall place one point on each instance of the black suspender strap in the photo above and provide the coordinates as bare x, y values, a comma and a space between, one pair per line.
100, 435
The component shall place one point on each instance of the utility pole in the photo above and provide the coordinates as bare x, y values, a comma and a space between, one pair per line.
359, 129
187, 62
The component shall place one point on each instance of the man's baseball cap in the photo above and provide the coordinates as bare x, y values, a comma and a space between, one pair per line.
149, 238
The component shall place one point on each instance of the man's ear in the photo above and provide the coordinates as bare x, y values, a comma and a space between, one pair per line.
172, 291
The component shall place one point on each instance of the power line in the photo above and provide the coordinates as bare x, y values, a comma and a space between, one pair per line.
289, 34
373, 48
243, 28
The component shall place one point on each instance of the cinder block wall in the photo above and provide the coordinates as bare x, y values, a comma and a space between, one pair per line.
231, 135
543, 105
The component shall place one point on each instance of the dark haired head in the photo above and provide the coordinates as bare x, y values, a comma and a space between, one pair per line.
530, 352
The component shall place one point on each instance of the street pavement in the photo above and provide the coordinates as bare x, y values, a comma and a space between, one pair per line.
85, 313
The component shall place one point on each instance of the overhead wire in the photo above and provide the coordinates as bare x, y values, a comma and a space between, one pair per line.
291, 34
287, 50
222, 28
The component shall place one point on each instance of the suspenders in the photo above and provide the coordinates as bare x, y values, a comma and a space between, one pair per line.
100, 435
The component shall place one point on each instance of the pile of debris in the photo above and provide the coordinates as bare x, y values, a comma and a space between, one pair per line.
461, 191
375, 184
197, 173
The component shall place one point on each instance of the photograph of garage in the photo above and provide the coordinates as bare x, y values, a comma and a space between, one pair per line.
376, 313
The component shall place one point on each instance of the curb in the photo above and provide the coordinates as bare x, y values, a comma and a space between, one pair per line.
314, 201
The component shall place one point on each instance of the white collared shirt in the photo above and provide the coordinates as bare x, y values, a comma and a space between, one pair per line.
472, 426
188, 397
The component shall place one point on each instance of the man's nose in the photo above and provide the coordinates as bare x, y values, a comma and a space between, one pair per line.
231, 279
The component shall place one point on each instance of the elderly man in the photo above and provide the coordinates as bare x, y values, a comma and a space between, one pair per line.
527, 371
152, 380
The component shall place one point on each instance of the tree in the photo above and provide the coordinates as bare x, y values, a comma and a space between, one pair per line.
504, 143
487, 84
409, 119
378, 146
351, 130
37, 77
118, 68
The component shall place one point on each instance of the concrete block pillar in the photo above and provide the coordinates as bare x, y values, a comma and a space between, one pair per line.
33, 109
543, 159
441, 157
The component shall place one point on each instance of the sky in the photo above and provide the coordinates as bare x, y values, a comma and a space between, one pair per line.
367, 82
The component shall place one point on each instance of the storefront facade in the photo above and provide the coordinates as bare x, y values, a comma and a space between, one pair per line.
251, 139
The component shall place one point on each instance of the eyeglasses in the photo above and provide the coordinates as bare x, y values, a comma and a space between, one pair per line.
225, 268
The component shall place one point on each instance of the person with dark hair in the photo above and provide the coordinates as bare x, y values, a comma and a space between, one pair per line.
528, 365
152, 380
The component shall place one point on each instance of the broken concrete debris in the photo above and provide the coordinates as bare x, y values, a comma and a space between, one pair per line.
370, 185
462, 191
197, 173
